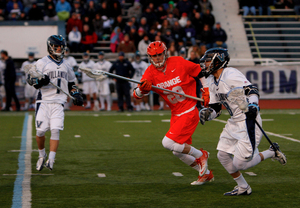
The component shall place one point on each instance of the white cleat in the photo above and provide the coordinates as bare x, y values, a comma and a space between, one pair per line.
239, 191
40, 163
202, 162
280, 156
49, 164
206, 178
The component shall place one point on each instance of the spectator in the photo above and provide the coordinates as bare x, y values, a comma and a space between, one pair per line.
177, 32
139, 37
126, 45
115, 9
133, 35
10, 6
219, 36
98, 25
9, 81
119, 22
185, 6
115, 38
63, 9
88, 21
106, 25
127, 27
172, 51
123, 68
2, 14
74, 39
171, 19
182, 53
91, 9
35, 13
297, 7
104, 10
167, 37
150, 17
264, 7
182, 21
144, 24
161, 14
134, 21
135, 10
152, 33
23, 16
142, 46
77, 8
15, 12
194, 58
206, 37
88, 39
205, 4
203, 49
197, 21
248, 6
195, 49
209, 19
172, 9
73, 21
165, 26
50, 13
189, 33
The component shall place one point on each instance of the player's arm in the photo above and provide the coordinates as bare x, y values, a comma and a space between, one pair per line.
75, 93
213, 111
252, 93
143, 89
38, 83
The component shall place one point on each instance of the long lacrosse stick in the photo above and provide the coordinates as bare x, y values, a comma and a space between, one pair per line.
32, 70
98, 74
238, 97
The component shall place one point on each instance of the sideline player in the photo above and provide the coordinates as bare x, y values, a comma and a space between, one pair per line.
50, 100
237, 147
140, 67
177, 74
103, 84
29, 91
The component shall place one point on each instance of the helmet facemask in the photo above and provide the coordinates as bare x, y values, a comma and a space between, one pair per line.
160, 66
56, 46
216, 60
155, 51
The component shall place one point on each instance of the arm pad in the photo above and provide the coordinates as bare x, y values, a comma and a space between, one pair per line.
217, 107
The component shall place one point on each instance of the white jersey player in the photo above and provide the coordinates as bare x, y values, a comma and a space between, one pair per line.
140, 67
89, 84
238, 143
50, 100
29, 91
103, 84
2, 90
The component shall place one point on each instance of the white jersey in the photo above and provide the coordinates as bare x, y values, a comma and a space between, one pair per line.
230, 78
140, 68
103, 85
71, 60
90, 65
25, 63
103, 65
59, 74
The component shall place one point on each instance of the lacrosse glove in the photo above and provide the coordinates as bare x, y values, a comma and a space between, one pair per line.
205, 96
75, 93
252, 112
145, 86
204, 115
38, 83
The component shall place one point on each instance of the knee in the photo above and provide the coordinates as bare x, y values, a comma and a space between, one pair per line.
40, 133
54, 134
167, 143
239, 164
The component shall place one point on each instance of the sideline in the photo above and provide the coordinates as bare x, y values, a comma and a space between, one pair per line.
22, 193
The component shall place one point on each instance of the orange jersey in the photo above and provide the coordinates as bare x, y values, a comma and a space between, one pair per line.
177, 77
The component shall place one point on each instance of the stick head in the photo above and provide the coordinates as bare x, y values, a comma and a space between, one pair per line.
96, 74
32, 71
238, 97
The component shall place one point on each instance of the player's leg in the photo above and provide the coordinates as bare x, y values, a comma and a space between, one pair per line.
94, 91
86, 91
102, 102
108, 101
120, 94
146, 103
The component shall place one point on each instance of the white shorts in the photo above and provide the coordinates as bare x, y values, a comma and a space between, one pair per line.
49, 116
90, 88
30, 91
103, 87
235, 140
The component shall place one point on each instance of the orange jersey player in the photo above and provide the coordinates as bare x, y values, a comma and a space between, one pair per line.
177, 74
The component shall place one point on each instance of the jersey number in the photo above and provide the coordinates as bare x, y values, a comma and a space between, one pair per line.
174, 98
58, 84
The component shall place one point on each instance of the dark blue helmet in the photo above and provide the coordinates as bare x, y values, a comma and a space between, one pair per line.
56, 46
219, 58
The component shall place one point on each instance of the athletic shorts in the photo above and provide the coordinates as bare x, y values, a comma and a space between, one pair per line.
236, 139
103, 87
89, 88
49, 116
182, 127
30, 91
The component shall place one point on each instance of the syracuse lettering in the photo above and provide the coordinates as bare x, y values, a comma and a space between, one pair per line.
169, 83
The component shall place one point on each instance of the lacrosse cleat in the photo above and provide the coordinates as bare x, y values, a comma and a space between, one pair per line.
49, 164
239, 191
206, 178
202, 162
280, 156
40, 163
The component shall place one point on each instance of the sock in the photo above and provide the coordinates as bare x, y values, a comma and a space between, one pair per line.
42, 152
161, 104
194, 152
241, 181
268, 154
101, 98
88, 104
138, 108
109, 102
52, 155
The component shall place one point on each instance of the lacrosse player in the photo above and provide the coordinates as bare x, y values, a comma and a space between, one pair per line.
29, 91
50, 101
238, 143
177, 74
103, 84
89, 84
140, 68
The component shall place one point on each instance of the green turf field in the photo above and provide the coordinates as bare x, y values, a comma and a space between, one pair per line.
139, 170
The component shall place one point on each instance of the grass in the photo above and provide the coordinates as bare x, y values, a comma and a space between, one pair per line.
139, 170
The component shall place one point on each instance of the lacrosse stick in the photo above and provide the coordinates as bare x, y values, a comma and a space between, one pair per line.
238, 97
98, 73
31, 69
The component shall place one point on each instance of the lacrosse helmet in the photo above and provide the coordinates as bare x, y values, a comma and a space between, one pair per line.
156, 48
218, 57
53, 42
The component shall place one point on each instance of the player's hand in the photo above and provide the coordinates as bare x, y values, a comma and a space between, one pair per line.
44, 81
252, 111
145, 86
204, 114
205, 96
78, 99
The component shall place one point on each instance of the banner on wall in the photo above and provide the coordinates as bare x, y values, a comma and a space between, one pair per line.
274, 82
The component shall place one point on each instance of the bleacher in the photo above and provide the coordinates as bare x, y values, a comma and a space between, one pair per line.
276, 36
